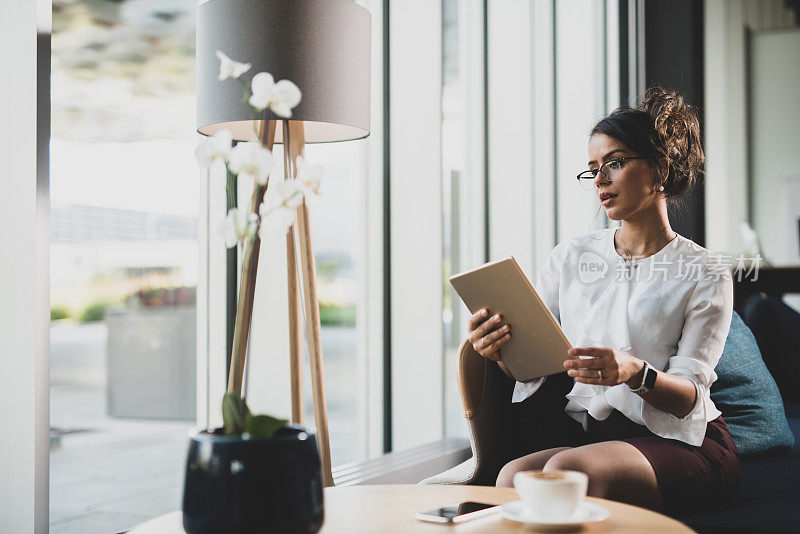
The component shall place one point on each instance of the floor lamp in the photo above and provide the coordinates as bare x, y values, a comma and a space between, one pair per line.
323, 46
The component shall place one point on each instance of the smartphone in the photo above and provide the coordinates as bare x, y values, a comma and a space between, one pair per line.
458, 513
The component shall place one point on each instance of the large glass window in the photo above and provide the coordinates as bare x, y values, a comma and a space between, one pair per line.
336, 222
127, 384
124, 261
462, 180
336, 217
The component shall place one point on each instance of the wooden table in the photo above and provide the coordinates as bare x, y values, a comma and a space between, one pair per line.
390, 509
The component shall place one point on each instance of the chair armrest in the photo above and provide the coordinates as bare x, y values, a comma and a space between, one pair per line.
472, 373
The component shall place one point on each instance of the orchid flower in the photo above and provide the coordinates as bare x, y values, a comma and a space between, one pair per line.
238, 226
277, 210
251, 160
215, 147
280, 97
309, 176
288, 193
276, 221
229, 68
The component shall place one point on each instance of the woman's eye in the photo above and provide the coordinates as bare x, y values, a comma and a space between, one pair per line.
614, 164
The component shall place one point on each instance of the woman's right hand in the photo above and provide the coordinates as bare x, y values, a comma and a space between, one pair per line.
488, 335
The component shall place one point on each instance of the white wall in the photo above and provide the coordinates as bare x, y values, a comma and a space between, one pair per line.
24, 315
774, 97
725, 114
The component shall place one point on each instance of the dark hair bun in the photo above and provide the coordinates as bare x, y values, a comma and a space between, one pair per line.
678, 127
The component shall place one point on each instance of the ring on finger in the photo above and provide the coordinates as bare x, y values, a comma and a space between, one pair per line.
600, 374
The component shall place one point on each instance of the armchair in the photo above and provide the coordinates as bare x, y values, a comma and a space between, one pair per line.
746, 393
499, 429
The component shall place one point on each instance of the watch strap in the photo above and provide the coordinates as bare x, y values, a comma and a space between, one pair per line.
648, 380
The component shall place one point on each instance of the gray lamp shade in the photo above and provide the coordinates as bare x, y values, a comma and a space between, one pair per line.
323, 46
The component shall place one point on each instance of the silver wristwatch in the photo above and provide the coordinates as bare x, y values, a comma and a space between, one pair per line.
648, 380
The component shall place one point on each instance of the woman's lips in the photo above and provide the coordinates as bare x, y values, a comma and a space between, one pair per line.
609, 200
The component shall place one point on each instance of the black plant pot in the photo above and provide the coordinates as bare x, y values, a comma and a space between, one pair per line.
237, 486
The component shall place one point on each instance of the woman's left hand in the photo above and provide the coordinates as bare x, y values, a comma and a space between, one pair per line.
606, 367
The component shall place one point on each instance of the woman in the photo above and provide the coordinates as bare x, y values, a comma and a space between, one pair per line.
647, 312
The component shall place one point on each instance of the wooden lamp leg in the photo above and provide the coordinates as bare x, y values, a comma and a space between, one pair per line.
313, 329
295, 339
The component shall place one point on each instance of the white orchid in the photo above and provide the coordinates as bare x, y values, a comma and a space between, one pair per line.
276, 213
276, 221
213, 148
238, 226
309, 176
288, 193
229, 68
280, 97
250, 160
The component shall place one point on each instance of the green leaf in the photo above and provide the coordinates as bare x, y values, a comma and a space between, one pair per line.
263, 426
234, 414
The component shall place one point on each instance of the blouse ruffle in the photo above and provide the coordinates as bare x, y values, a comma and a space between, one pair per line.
599, 331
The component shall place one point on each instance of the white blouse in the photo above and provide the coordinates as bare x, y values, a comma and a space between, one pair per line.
672, 309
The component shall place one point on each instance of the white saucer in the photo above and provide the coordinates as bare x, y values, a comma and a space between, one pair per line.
587, 512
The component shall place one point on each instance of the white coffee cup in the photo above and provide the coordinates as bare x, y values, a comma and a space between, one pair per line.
551, 495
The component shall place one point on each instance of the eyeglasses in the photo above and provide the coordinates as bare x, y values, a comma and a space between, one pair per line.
610, 170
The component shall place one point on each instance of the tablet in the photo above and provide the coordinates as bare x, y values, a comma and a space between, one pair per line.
538, 346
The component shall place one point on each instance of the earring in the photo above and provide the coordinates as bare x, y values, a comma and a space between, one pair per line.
661, 187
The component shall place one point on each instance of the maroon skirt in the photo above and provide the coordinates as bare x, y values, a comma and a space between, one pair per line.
690, 478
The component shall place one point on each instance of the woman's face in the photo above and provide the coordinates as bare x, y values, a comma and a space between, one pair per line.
634, 183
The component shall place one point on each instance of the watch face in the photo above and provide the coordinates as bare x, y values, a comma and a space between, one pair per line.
650, 377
